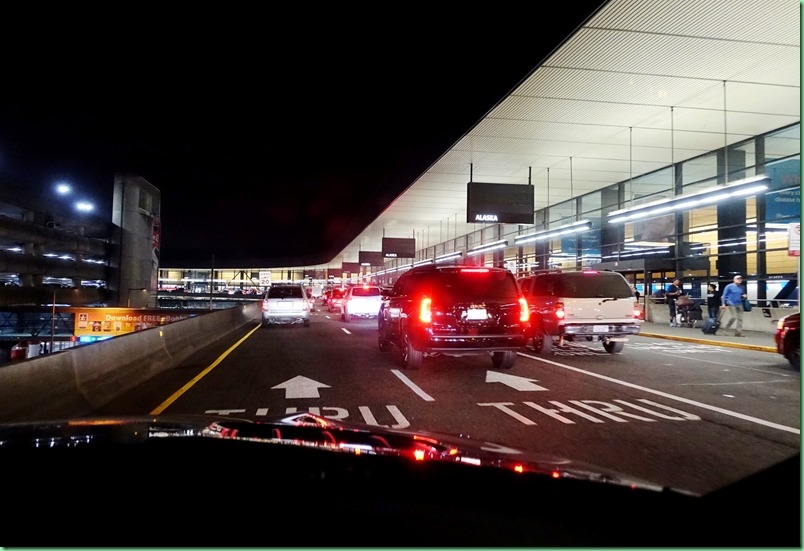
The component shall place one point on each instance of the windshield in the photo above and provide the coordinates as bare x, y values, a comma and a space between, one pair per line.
445, 238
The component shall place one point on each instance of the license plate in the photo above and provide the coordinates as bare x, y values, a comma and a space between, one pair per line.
600, 329
476, 314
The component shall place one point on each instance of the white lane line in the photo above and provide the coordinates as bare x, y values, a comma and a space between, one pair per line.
670, 396
422, 394
345, 330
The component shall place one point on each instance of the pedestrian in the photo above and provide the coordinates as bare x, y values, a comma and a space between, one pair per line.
636, 293
732, 299
673, 292
713, 300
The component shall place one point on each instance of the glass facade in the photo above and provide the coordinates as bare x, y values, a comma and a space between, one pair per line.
749, 234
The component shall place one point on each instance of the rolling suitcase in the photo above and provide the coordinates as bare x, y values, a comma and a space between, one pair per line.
711, 325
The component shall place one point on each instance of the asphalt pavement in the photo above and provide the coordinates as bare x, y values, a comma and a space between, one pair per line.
752, 340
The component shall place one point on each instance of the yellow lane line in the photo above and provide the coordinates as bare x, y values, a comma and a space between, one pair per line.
198, 377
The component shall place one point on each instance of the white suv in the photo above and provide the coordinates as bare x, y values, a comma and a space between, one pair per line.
583, 305
361, 300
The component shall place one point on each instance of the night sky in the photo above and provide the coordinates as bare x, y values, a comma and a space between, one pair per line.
273, 134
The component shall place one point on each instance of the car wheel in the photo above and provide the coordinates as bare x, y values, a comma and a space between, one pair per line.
613, 347
383, 344
543, 343
411, 358
793, 350
346, 317
307, 323
503, 360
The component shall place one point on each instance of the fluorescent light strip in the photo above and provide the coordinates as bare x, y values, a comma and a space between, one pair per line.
488, 247
746, 186
448, 256
581, 225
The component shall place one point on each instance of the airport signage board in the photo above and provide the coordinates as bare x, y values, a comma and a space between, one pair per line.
499, 203
396, 247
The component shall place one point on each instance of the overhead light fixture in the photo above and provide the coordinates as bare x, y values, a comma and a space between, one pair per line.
488, 247
448, 256
423, 262
746, 186
581, 225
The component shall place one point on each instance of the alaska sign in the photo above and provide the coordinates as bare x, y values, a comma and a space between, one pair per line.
499, 203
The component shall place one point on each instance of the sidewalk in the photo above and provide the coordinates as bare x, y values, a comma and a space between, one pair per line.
753, 340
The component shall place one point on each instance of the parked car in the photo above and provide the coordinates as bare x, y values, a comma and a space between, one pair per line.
454, 311
286, 304
361, 301
335, 299
585, 305
788, 339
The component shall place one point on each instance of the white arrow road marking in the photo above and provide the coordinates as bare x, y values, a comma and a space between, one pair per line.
515, 382
301, 387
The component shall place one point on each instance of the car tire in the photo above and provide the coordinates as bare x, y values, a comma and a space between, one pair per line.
503, 360
543, 343
346, 317
613, 347
381, 342
411, 358
307, 323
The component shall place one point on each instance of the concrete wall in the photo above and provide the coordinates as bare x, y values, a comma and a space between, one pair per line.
74, 383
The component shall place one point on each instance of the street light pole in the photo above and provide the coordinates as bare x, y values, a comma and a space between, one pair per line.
52, 321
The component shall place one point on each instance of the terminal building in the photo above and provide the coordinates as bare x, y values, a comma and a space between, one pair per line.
699, 213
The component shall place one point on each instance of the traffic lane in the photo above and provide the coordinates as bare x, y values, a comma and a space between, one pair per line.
577, 415
144, 399
322, 368
751, 382
665, 438
563, 408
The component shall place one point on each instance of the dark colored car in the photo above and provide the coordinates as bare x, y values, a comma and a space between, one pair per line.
454, 311
788, 338
324, 483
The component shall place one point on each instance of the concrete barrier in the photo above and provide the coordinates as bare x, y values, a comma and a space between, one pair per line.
75, 382
758, 319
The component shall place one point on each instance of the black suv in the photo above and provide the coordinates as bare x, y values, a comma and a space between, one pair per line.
454, 311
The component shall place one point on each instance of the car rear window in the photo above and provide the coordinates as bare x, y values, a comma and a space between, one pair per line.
582, 285
468, 286
285, 292
366, 292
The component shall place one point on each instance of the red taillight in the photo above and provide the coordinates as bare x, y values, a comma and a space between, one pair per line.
474, 270
559, 310
425, 310
524, 311
637, 311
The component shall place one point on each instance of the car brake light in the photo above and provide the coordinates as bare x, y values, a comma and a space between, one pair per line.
559, 310
637, 311
474, 270
524, 311
425, 310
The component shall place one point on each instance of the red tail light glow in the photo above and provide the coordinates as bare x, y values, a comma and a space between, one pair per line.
559, 310
474, 270
425, 310
524, 311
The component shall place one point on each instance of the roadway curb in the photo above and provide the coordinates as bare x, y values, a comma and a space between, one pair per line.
710, 341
